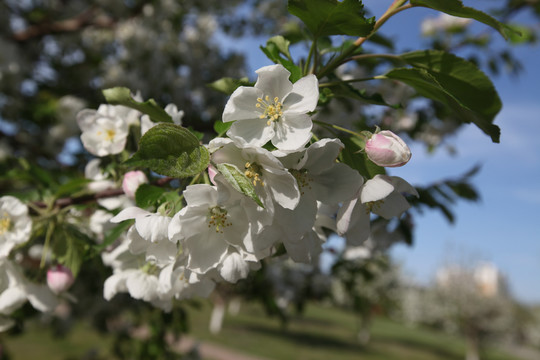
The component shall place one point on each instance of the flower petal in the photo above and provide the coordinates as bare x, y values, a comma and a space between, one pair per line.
274, 81
251, 133
242, 104
304, 96
293, 131
376, 189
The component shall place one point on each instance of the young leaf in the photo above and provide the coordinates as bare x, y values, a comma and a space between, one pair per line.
456, 8
239, 181
170, 150
454, 82
277, 46
147, 195
332, 17
122, 96
221, 128
227, 85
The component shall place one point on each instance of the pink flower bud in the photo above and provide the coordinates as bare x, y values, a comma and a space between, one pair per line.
131, 182
387, 149
59, 278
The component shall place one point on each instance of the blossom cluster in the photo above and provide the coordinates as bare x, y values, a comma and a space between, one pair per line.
301, 194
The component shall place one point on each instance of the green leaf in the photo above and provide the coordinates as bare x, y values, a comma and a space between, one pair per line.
221, 128
147, 195
331, 17
170, 150
454, 82
239, 181
345, 90
122, 96
277, 46
456, 8
71, 187
227, 85
70, 245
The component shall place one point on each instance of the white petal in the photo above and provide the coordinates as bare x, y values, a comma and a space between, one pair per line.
304, 96
234, 268
11, 299
137, 245
393, 205
360, 231
339, 183
242, 104
283, 187
41, 297
402, 186
306, 250
129, 213
321, 155
274, 81
115, 284
161, 253
253, 133
191, 221
293, 131
205, 251
153, 227
376, 189
201, 194
142, 286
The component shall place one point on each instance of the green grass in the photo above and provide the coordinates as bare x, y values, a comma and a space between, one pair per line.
329, 333
321, 333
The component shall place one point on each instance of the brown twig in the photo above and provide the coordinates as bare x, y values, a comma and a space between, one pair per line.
86, 18
88, 198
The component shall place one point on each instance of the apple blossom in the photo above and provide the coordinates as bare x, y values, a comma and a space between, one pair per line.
268, 175
15, 224
387, 149
273, 110
381, 195
105, 131
213, 221
131, 182
59, 278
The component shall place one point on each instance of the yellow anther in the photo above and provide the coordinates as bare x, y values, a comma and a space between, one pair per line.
271, 111
5, 223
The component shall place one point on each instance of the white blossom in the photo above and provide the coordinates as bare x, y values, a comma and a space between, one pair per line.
105, 131
273, 110
15, 224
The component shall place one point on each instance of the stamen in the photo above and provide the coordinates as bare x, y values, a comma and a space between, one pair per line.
271, 111
303, 179
254, 173
218, 219
5, 223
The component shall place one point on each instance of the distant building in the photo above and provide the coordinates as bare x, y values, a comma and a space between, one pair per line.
486, 276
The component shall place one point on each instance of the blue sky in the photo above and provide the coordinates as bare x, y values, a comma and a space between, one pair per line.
504, 227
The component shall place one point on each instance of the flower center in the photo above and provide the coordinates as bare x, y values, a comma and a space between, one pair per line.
303, 179
218, 219
373, 205
5, 223
108, 135
253, 172
271, 111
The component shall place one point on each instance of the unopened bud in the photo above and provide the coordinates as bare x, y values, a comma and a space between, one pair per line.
387, 149
59, 279
131, 182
